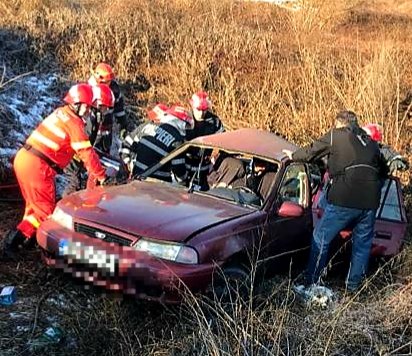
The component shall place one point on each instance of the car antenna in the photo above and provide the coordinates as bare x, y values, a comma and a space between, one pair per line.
197, 173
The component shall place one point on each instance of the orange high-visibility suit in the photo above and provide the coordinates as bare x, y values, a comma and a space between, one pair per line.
49, 149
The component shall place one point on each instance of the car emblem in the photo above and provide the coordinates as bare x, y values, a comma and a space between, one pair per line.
99, 235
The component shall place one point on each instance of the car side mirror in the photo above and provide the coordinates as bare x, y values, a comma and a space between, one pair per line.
289, 209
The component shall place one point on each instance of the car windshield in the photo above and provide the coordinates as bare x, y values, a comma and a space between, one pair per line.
237, 177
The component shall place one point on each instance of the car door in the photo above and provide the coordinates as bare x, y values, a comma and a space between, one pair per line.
390, 225
287, 234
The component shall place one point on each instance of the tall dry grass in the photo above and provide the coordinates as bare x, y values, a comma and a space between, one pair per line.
263, 67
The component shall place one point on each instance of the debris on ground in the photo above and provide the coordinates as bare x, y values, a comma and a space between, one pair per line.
8, 295
51, 336
315, 296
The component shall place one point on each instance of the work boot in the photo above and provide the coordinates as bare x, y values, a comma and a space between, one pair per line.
11, 243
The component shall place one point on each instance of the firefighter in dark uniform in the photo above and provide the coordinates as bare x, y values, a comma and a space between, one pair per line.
102, 128
127, 149
206, 123
153, 146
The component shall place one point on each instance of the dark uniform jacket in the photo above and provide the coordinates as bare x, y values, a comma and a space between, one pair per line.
355, 165
195, 165
127, 149
100, 127
155, 145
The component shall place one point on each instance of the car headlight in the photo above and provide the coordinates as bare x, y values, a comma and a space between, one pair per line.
62, 218
168, 251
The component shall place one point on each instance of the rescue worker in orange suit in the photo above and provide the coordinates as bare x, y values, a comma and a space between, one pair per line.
49, 149
103, 101
104, 74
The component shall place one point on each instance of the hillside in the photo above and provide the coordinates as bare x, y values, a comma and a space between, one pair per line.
263, 66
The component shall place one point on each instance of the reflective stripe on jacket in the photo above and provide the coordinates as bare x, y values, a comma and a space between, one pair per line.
61, 135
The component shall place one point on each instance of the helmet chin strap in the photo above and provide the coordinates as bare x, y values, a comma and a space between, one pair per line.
77, 108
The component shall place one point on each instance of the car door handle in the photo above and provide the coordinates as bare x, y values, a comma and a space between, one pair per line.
383, 235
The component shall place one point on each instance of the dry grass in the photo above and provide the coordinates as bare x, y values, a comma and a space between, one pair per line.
264, 67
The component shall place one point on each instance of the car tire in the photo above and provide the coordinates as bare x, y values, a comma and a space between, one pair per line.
232, 283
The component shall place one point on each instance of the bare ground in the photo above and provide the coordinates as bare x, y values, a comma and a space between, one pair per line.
378, 321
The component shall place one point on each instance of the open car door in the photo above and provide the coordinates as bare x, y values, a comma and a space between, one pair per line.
391, 221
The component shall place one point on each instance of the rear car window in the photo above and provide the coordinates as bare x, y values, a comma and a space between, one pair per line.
390, 208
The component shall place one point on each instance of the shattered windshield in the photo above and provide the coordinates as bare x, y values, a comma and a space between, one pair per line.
241, 178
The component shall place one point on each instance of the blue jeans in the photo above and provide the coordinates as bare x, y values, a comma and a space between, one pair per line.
335, 219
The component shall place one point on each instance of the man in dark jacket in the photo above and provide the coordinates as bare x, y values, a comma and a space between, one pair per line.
357, 170
160, 140
206, 122
128, 146
102, 129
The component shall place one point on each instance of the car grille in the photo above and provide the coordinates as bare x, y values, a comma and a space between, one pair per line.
109, 237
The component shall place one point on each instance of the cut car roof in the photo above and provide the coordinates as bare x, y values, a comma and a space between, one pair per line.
250, 141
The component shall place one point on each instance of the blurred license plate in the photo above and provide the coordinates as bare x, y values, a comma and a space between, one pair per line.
90, 255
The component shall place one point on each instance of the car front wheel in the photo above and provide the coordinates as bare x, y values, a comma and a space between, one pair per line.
232, 283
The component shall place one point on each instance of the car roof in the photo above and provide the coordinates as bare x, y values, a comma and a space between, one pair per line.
250, 141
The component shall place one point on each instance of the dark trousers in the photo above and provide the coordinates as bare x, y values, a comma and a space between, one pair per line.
334, 220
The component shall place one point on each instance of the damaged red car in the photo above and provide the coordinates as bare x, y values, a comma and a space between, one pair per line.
156, 240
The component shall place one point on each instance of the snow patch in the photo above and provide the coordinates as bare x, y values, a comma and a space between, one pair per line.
22, 329
28, 99
59, 301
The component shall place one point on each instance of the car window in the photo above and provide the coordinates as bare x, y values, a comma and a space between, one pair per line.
294, 185
390, 206
315, 177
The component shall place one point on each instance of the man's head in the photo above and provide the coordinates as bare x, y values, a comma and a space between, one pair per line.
103, 98
157, 112
346, 118
200, 104
183, 116
374, 131
103, 73
80, 99
262, 166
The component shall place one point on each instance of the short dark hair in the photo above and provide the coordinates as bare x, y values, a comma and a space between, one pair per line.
347, 118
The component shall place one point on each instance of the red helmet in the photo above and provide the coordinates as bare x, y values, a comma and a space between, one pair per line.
200, 101
374, 131
157, 112
181, 113
103, 73
103, 96
80, 94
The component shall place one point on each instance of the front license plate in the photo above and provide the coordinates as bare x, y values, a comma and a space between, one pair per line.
75, 251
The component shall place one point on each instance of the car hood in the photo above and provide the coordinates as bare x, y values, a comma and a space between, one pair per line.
151, 209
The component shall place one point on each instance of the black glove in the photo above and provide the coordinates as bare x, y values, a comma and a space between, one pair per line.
107, 181
399, 164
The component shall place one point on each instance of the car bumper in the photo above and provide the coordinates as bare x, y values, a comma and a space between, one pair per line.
120, 268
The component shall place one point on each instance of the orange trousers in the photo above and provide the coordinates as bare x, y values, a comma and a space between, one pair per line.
36, 181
